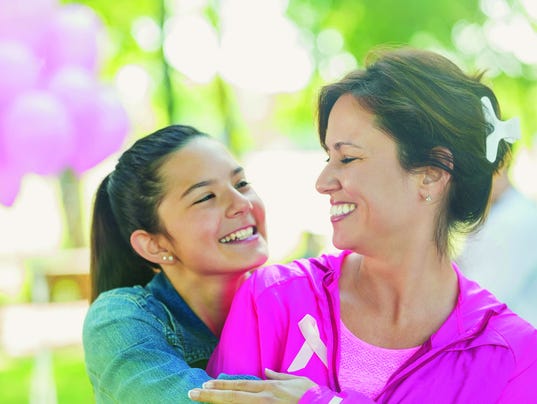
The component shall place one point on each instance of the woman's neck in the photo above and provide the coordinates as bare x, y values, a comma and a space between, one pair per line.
397, 303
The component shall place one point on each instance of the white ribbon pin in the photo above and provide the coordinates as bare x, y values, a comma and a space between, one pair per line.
507, 130
312, 345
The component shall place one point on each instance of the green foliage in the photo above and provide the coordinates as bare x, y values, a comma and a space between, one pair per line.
72, 383
363, 24
15, 379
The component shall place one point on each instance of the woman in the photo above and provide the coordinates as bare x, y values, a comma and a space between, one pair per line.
175, 226
412, 146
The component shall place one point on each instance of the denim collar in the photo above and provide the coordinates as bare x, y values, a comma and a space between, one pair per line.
194, 333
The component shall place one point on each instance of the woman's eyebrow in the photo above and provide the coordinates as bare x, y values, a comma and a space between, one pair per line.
339, 145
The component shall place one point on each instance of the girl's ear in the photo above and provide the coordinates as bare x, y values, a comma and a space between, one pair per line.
147, 246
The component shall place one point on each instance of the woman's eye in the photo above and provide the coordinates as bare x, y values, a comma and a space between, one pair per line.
346, 160
205, 198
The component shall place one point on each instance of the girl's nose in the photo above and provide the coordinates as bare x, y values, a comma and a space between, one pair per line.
240, 204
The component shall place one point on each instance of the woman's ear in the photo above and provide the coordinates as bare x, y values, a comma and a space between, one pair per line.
434, 180
147, 246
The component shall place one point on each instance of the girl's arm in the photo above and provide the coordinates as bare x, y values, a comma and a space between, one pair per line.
130, 359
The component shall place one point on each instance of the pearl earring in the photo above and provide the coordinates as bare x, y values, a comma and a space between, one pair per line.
428, 198
167, 258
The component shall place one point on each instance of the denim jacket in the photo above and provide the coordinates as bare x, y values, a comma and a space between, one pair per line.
145, 345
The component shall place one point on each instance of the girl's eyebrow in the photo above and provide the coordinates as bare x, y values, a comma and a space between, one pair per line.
238, 170
196, 186
201, 184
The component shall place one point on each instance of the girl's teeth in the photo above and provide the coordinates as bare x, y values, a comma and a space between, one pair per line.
238, 235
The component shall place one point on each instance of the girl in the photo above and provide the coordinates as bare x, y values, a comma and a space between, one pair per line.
175, 227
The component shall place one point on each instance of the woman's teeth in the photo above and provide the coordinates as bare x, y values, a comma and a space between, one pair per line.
341, 209
239, 235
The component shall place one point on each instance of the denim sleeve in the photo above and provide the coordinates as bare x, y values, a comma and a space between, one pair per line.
130, 359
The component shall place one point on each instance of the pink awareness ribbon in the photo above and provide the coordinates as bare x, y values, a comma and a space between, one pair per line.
312, 344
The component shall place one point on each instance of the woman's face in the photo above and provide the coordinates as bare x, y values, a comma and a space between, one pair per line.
214, 219
371, 196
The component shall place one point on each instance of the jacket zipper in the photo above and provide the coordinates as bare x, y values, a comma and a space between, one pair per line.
335, 339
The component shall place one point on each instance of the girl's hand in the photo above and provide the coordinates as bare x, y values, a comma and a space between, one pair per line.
279, 388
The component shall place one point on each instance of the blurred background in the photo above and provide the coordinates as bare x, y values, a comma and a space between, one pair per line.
81, 80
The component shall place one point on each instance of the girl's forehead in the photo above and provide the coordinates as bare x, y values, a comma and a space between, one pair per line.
200, 159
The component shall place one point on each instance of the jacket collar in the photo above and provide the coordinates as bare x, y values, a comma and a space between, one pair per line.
193, 332
470, 316
474, 308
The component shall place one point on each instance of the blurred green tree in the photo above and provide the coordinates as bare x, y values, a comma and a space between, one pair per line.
337, 34
362, 25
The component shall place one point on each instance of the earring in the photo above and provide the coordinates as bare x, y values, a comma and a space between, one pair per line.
167, 258
428, 198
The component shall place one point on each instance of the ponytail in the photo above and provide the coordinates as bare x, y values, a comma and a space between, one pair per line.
113, 261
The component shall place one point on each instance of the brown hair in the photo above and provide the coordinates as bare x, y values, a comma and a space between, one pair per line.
433, 111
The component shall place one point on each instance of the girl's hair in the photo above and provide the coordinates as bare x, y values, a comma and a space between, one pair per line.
126, 200
433, 111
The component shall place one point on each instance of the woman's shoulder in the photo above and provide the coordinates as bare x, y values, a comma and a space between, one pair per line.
312, 269
518, 334
514, 328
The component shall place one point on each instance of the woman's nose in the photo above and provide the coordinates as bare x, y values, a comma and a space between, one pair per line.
326, 182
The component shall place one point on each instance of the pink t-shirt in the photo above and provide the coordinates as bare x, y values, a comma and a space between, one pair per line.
366, 368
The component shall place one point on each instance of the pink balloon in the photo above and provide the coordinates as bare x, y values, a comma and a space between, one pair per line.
38, 133
104, 136
25, 20
10, 177
19, 70
10, 182
99, 121
78, 89
71, 38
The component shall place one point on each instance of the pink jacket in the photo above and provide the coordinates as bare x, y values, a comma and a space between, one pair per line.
285, 318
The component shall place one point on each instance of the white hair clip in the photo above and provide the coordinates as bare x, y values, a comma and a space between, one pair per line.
507, 130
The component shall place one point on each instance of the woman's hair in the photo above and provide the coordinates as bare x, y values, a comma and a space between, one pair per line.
126, 200
433, 111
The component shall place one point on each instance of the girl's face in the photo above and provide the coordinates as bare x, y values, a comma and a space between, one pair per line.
372, 197
214, 219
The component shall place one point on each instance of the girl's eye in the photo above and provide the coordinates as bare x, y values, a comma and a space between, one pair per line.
204, 199
242, 184
346, 160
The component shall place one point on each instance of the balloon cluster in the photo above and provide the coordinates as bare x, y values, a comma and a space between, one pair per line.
54, 112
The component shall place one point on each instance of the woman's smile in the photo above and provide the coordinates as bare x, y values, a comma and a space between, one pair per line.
339, 211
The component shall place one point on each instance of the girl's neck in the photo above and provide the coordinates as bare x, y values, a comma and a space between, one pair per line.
209, 296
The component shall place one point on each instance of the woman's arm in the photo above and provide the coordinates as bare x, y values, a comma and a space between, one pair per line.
280, 388
521, 388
